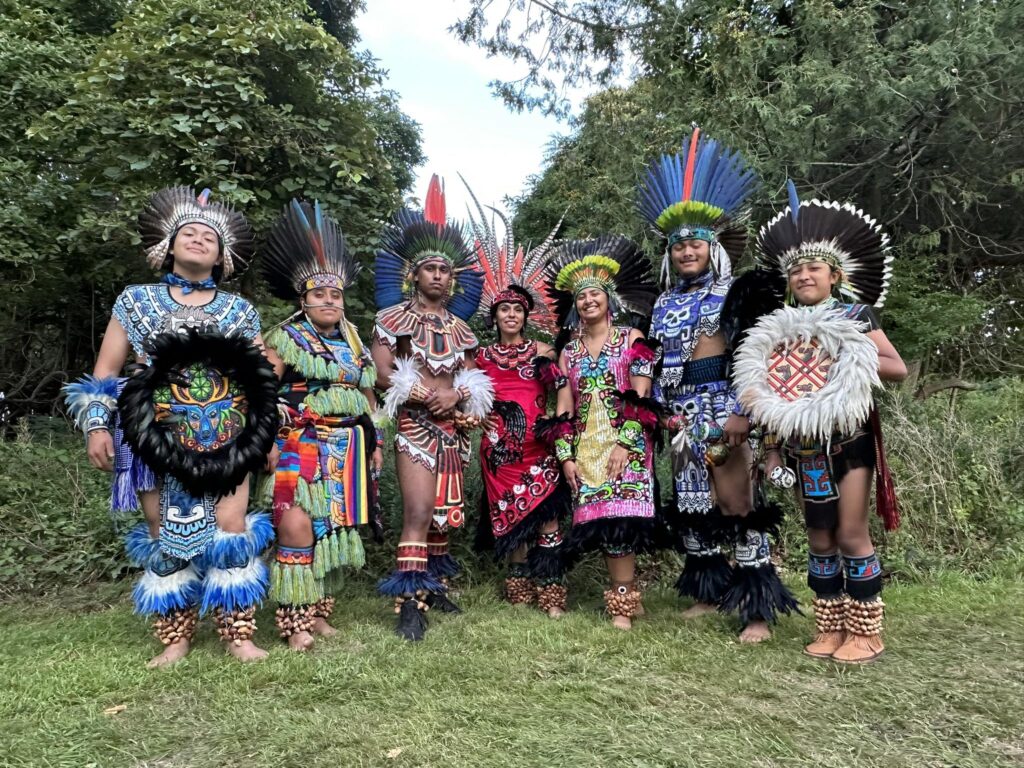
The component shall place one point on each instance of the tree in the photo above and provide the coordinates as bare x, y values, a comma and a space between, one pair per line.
905, 108
255, 100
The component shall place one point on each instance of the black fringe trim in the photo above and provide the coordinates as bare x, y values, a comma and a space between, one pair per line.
704, 578
441, 566
758, 594
547, 564
764, 518
399, 583
636, 533
555, 507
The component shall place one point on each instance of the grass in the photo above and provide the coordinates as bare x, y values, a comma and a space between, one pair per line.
500, 686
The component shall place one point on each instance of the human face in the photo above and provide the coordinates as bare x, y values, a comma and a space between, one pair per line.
510, 318
691, 258
196, 251
433, 280
324, 307
592, 305
811, 282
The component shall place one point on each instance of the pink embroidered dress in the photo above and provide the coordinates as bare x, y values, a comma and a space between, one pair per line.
627, 501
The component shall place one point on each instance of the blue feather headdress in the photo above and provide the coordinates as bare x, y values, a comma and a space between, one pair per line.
699, 193
413, 239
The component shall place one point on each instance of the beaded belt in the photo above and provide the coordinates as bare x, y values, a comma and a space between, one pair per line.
704, 371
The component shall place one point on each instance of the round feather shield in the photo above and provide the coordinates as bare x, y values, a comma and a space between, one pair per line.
807, 373
203, 411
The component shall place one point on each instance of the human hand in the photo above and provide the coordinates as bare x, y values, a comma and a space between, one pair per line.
99, 446
572, 475
617, 462
273, 456
441, 402
736, 429
377, 460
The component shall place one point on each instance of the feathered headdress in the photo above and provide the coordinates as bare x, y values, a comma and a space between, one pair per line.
839, 235
699, 193
304, 250
512, 273
613, 263
413, 239
173, 207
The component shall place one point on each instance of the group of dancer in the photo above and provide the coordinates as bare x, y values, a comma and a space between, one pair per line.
764, 379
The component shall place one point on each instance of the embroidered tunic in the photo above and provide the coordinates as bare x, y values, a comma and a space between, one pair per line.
518, 470
595, 386
146, 310
327, 441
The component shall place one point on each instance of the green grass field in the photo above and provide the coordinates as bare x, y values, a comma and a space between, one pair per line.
504, 686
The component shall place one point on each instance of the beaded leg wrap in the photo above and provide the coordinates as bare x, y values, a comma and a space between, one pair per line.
176, 626
519, 587
235, 626
553, 595
622, 600
292, 619
323, 608
830, 626
863, 632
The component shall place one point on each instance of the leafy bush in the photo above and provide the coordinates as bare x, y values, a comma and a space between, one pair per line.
957, 470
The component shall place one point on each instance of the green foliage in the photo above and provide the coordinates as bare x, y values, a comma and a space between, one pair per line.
55, 530
903, 108
255, 100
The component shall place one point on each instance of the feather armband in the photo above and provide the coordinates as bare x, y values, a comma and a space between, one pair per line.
644, 357
92, 402
638, 416
476, 390
406, 386
559, 434
548, 373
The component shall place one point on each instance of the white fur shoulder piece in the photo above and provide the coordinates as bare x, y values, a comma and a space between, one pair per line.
841, 404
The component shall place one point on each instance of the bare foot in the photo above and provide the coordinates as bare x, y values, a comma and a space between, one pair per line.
699, 609
322, 628
246, 650
755, 632
622, 622
300, 641
556, 613
640, 610
172, 654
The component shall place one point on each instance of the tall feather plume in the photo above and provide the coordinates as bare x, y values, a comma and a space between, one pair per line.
434, 209
507, 263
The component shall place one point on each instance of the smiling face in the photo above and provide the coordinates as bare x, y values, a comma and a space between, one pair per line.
691, 258
196, 251
324, 307
510, 317
811, 282
433, 279
592, 305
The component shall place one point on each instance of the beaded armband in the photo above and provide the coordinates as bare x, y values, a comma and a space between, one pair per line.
564, 450
559, 433
630, 437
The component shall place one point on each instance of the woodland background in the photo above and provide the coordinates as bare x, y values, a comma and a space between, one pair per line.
910, 109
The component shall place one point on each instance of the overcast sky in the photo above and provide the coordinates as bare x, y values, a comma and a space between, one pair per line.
442, 84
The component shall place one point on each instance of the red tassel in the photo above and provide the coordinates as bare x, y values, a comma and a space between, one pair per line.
885, 491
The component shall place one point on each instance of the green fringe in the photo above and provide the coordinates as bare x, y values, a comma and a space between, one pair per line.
337, 401
310, 496
265, 489
310, 366
338, 549
369, 378
295, 584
